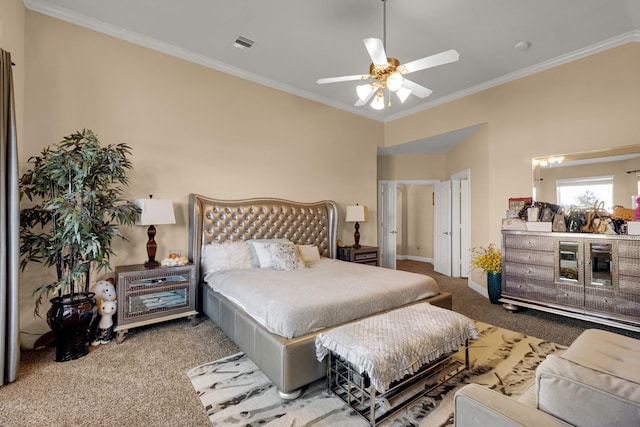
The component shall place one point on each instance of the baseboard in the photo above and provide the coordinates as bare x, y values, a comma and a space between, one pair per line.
414, 258
478, 288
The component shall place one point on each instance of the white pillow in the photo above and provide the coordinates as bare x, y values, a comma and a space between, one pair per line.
308, 253
260, 257
284, 256
262, 253
226, 256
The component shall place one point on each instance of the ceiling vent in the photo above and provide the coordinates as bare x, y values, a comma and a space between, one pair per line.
243, 43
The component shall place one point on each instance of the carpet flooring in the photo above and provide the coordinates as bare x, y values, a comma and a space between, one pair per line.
142, 381
233, 391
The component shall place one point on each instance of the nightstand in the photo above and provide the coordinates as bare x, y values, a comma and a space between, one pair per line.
151, 295
363, 255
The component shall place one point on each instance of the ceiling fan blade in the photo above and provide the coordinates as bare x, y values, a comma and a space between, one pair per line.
342, 79
416, 89
375, 47
361, 102
432, 61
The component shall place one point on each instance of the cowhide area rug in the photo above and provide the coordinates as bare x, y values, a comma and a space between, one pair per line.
235, 392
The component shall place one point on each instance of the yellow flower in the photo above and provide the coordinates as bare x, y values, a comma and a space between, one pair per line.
488, 259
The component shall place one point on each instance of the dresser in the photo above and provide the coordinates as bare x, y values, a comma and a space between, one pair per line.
591, 277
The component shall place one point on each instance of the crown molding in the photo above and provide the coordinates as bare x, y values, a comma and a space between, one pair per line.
187, 55
631, 36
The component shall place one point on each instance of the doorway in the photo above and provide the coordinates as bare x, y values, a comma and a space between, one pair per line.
393, 226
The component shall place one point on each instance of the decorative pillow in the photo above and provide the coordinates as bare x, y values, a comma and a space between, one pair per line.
226, 256
260, 257
308, 253
284, 256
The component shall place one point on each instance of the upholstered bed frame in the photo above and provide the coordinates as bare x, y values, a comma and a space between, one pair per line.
289, 363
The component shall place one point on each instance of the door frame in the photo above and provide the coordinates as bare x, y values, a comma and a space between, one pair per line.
394, 182
461, 234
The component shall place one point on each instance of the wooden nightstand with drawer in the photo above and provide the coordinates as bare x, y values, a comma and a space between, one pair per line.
363, 255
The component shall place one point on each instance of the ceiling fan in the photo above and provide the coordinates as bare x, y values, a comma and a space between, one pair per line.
387, 73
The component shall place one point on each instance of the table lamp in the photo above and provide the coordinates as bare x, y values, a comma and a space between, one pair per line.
357, 214
154, 212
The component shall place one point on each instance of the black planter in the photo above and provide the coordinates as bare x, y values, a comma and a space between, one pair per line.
70, 320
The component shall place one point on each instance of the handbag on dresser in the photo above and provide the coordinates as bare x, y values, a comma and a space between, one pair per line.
559, 223
547, 214
593, 219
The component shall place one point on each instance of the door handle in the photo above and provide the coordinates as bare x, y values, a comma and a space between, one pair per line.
446, 232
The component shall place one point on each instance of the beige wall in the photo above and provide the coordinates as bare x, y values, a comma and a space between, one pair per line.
412, 167
589, 104
192, 129
12, 35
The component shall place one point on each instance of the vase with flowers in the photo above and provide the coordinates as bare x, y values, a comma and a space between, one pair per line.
489, 260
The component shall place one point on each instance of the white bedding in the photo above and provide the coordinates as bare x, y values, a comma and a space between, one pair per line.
328, 293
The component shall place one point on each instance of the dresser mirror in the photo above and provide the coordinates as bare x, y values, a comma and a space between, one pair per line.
600, 254
619, 167
569, 252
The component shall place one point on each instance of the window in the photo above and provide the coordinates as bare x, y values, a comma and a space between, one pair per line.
584, 192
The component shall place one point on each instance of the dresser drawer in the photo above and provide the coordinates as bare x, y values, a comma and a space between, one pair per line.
570, 294
529, 272
538, 290
612, 303
627, 249
538, 243
150, 280
151, 302
629, 267
366, 256
629, 284
525, 256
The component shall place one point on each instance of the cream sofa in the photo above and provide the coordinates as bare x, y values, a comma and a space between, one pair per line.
595, 382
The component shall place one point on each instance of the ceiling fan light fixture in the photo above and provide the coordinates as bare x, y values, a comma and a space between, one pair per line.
403, 93
394, 81
378, 101
386, 73
364, 91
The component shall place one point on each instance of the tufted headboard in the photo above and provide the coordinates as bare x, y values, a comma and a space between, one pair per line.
214, 220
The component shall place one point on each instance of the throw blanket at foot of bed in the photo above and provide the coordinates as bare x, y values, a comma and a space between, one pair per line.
386, 353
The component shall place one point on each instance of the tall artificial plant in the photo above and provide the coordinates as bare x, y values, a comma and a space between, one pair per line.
76, 188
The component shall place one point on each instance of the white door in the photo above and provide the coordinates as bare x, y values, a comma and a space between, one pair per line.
442, 228
387, 225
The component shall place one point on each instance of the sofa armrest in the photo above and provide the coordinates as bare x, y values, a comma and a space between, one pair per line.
475, 405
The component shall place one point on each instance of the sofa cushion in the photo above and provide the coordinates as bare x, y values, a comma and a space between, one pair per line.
476, 405
607, 353
587, 385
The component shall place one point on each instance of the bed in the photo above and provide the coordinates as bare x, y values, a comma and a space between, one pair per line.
287, 357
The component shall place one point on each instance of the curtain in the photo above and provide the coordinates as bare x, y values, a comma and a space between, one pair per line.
9, 227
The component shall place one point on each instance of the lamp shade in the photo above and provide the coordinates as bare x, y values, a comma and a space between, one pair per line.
155, 211
357, 214
378, 101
